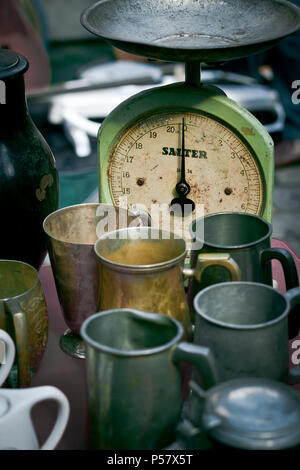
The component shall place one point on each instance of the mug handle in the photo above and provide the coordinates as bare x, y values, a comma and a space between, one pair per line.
8, 357
291, 278
199, 356
191, 431
287, 262
204, 260
22, 342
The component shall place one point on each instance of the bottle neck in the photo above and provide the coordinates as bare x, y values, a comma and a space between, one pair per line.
14, 110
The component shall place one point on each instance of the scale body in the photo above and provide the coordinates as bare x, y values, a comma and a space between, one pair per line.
229, 156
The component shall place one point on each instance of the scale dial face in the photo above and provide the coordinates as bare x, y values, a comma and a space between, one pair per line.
222, 172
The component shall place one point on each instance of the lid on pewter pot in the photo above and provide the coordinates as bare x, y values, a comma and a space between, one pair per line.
253, 414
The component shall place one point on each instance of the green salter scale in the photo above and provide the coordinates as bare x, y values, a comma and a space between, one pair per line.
188, 142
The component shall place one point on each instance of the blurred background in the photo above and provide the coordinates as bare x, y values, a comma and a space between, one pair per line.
76, 79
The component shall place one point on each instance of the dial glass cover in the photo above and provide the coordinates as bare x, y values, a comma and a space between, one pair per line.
220, 169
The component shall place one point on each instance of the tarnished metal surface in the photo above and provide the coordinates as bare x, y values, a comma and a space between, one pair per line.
250, 413
247, 238
245, 324
71, 234
133, 373
23, 314
181, 30
144, 274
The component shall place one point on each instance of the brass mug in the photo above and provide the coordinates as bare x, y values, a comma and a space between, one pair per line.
71, 233
24, 316
143, 268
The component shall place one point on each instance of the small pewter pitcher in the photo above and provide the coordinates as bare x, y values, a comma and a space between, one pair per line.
134, 380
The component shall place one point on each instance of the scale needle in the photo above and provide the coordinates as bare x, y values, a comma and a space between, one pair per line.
182, 187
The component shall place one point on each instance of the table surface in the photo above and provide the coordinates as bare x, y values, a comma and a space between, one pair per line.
62, 371
69, 375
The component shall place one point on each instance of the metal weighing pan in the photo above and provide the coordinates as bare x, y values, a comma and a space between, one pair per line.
192, 30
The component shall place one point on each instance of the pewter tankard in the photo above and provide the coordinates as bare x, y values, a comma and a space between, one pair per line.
247, 238
246, 414
245, 324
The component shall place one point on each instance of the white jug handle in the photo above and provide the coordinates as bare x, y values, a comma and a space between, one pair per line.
53, 393
28, 397
7, 360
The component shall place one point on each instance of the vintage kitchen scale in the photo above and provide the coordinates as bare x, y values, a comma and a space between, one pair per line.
228, 157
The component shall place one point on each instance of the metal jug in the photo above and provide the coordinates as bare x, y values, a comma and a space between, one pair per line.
134, 380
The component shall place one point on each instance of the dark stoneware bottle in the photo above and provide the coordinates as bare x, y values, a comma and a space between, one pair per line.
28, 177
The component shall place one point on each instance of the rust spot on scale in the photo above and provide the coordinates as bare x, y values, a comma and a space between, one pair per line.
228, 191
248, 130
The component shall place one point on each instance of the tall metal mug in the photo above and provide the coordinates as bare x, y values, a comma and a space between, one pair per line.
245, 324
134, 377
24, 316
143, 268
246, 238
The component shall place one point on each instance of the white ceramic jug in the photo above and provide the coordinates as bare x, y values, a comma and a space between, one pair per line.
7, 355
16, 428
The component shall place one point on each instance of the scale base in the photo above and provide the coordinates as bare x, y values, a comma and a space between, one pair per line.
72, 344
